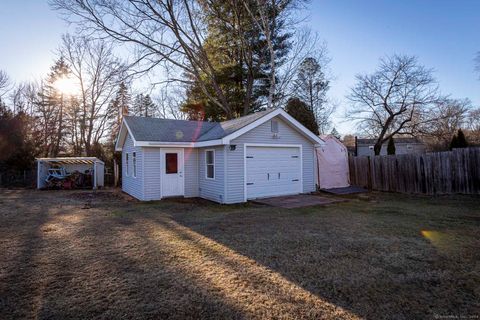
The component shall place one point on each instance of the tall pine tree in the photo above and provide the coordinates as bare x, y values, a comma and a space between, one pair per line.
241, 59
143, 106
118, 108
51, 106
302, 113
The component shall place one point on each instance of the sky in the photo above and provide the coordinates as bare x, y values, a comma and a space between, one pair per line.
444, 35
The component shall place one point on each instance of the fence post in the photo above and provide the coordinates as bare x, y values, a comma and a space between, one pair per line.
115, 173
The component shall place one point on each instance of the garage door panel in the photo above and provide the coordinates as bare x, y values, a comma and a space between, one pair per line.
273, 171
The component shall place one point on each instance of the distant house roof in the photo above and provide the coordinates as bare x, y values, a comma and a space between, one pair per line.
397, 141
154, 129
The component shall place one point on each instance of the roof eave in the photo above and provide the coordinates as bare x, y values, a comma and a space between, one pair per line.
171, 144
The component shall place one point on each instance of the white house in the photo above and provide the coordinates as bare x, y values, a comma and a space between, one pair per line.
264, 154
364, 147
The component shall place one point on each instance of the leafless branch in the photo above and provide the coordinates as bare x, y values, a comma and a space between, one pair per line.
394, 100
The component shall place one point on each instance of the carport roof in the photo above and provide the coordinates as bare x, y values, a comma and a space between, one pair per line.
71, 160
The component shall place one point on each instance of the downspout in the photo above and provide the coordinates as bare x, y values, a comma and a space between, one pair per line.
318, 168
225, 171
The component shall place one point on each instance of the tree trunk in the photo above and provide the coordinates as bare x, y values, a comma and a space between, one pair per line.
377, 147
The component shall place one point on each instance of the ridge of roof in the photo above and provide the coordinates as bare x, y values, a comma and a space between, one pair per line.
397, 140
227, 127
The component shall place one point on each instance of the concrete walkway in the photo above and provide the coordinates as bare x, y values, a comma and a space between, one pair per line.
297, 201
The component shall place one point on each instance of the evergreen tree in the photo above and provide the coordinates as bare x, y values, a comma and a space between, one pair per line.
391, 146
302, 113
311, 86
241, 60
119, 107
122, 101
52, 105
461, 140
143, 106
17, 150
454, 142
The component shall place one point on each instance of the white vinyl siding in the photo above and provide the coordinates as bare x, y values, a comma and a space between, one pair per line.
228, 183
263, 134
191, 172
131, 185
151, 166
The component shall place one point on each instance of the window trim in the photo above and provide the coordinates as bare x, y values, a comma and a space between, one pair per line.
134, 164
209, 164
126, 164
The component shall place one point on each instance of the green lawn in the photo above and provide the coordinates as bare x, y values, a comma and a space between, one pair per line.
83, 255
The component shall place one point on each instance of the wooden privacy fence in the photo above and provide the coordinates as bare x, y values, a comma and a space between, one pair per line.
456, 171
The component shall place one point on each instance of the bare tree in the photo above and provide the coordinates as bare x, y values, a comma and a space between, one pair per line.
305, 44
4, 83
168, 103
394, 100
446, 117
168, 31
311, 86
172, 33
473, 124
474, 119
97, 74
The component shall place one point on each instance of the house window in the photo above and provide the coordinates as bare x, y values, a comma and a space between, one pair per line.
171, 163
210, 164
274, 124
134, 164
126, 164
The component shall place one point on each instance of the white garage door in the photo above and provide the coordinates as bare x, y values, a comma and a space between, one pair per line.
273, 171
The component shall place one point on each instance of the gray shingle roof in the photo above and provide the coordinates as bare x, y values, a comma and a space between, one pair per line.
397, 140
169, 130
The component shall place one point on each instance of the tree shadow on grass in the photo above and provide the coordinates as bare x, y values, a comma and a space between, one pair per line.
22, 231
188, 260
107, 267
374, 266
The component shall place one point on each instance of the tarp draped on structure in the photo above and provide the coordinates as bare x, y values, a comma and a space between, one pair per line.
332, 160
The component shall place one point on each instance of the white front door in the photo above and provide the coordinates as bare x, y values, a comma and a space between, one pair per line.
273, 171
172, 172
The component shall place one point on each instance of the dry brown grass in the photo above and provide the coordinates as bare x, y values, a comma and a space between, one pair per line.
77, 255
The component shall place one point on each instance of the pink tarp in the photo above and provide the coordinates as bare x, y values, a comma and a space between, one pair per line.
332, 160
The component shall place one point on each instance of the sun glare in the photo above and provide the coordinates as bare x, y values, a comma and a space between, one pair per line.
65, 85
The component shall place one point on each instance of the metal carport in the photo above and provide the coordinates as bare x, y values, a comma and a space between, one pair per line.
71, 164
